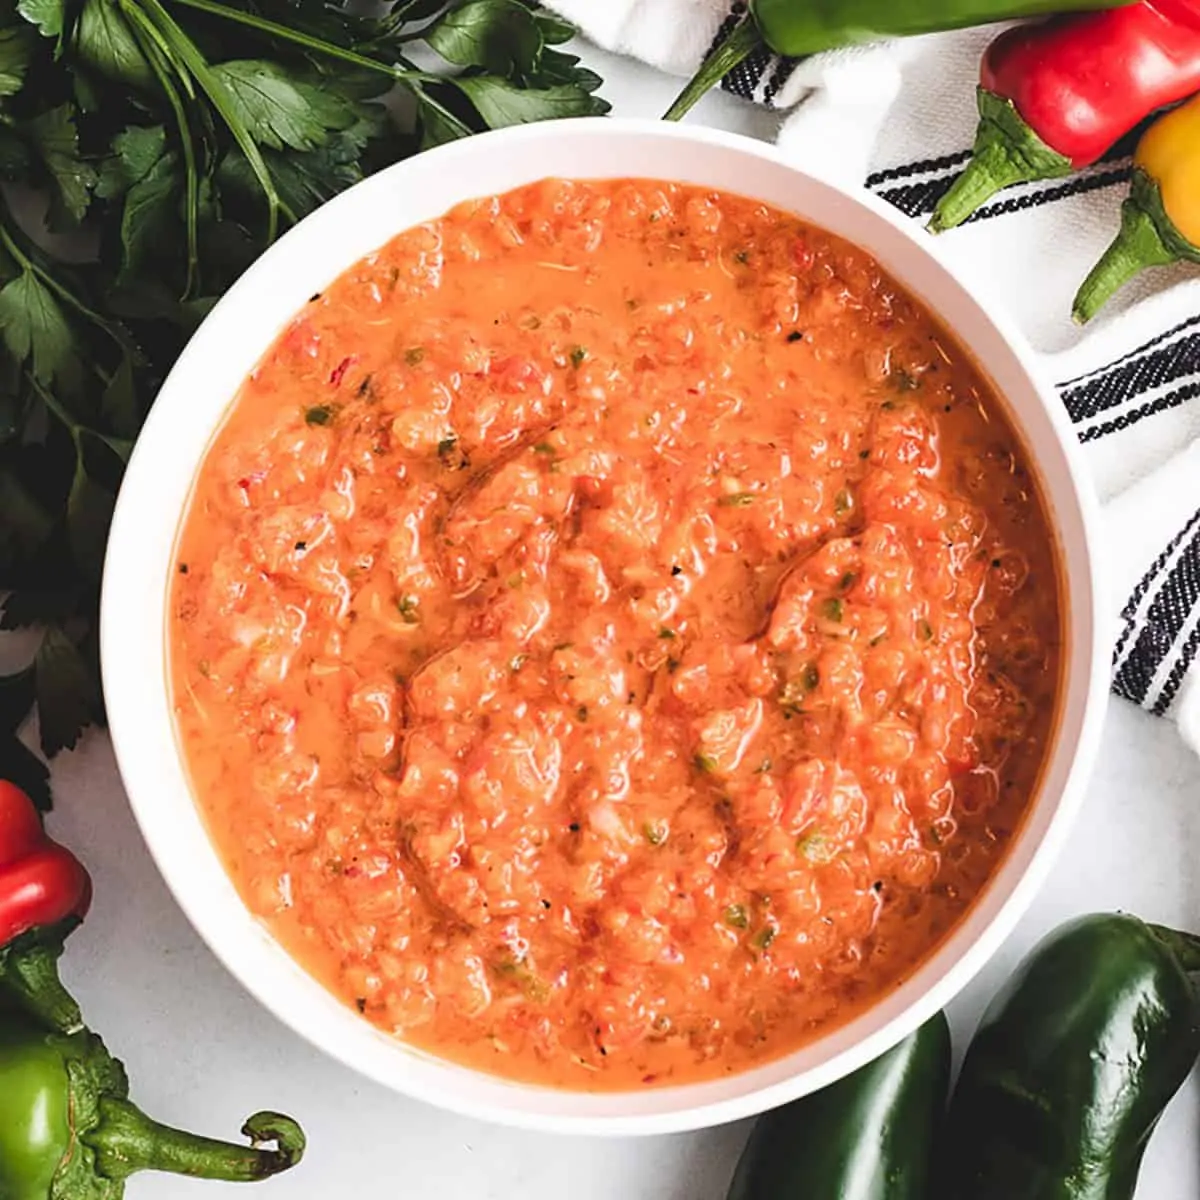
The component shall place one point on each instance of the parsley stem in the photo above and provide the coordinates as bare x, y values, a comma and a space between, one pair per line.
160, 63
121, 447
51, 402
187, 53
464, 130
31, 261
295, 36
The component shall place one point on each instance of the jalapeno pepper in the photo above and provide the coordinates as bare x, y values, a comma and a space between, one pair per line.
867, 1137
1073, 1065
44, 893
1056, 95
69, 1132
1160, 221
801, 27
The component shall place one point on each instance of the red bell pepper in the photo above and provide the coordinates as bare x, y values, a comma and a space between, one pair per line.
44, 893
1055, 95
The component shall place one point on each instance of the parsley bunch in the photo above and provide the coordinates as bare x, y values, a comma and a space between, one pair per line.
170, 141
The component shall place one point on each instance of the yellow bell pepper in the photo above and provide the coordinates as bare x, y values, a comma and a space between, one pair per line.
1160, 222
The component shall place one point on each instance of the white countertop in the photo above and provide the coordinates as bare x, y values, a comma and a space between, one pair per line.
202, 1054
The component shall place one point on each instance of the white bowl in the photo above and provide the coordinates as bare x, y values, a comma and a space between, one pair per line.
188, 411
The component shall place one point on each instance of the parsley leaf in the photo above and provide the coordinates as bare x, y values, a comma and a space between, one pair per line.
136, 150
279, 110
24, 523
119, 404
56, 140
47, 15
33, 327
501, 103
66, 692
501, 36
89, 514
16, 49
150, 213
104, 41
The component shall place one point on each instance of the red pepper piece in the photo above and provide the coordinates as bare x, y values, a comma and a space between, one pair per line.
44, 893
41, 883
1054, 96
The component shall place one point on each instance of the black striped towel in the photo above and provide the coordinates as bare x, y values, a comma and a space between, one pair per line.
901, 117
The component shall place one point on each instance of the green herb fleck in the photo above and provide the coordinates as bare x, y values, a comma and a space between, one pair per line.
737, 500
409, 607
319, 414
736, 917
543, 448
797, 690
705, 763
764, 937
904, 381
517, 662
742, 257
578, 355
832, 609
843, 502
656, 832
763, 767
817, 848
666, 634
924, 630
847, 581
414, 355
452, 454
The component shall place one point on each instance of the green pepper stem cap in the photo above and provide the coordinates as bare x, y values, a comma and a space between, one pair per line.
1007, 151
126, 1141
738, 46
1148, 238
29, 975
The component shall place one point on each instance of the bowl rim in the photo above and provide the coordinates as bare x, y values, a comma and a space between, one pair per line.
242, 945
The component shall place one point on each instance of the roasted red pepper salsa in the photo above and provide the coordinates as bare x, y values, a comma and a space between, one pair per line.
616, 634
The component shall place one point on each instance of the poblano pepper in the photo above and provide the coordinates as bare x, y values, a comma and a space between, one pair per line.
1073, 1065
800, 27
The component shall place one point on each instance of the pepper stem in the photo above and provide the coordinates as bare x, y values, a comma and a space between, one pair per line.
127, 1141
738, 46
1139, 245
1184, 946
29, 974
1007, 151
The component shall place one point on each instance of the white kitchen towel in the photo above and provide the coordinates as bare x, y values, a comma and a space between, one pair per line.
899, 118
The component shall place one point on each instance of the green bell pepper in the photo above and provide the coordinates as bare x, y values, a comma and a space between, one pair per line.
801, 27
69, 1132
867, 1137
1073, 1064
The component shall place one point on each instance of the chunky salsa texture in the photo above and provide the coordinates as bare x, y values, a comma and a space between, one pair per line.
616, 634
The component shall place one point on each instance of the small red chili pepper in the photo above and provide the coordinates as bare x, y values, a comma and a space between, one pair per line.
1056, 95
44, 893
